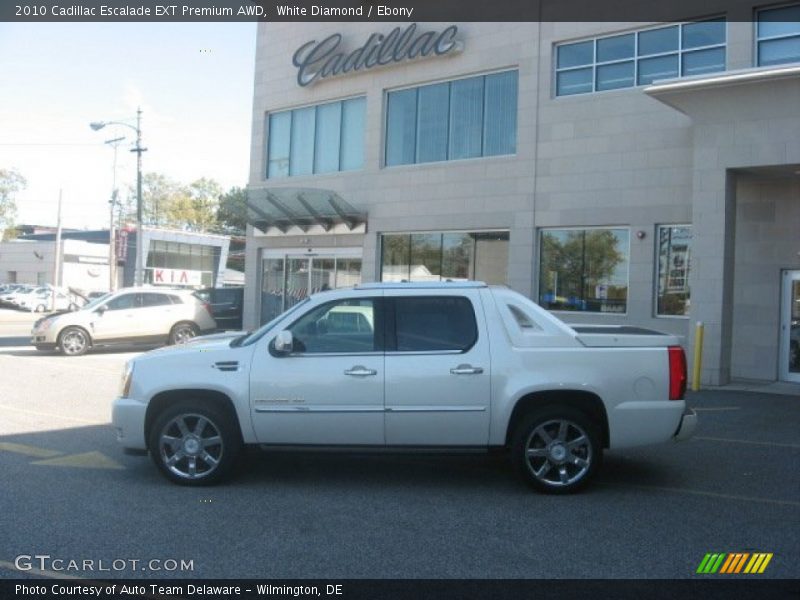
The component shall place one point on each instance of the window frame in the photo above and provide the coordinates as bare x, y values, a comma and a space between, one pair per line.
657, 269
448, 81
543, 230
314, 105
390, 325
636, 58
757, 40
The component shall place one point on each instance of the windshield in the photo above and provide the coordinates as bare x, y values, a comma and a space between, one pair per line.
96, 302
256, 335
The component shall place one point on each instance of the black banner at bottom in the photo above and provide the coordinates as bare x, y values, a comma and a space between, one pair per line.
416, 589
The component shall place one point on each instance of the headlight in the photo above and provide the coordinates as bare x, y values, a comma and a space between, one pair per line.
127, 379
43, 325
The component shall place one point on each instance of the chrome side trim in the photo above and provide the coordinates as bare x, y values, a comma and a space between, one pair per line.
318, 409
366, 409
435, 409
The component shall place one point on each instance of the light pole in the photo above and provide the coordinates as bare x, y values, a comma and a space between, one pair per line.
112, 247
97, 125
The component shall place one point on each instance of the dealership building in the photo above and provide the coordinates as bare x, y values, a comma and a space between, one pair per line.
641, 174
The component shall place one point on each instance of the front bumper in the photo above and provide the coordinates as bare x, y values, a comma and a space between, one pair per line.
127, 417
687, 425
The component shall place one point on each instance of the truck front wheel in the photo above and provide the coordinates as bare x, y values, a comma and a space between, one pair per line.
557, 449
194, 443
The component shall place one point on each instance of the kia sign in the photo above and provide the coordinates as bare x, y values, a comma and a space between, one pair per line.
176, 277
319, 60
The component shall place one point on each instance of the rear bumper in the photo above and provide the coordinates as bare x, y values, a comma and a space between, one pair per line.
687, 425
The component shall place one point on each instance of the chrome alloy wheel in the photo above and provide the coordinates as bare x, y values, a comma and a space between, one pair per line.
182, 334
558, 453
74, 342
191, 446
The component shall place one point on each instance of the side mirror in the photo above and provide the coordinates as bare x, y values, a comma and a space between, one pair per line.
284, 342
101, 309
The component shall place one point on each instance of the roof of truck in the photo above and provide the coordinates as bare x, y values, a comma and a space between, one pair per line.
420, 285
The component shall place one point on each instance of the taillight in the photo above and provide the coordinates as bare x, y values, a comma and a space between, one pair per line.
677, 373
207, 306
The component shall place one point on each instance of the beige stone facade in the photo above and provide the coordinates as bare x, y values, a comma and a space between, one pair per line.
715, 152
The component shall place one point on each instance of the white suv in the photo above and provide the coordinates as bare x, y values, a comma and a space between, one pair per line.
129, 316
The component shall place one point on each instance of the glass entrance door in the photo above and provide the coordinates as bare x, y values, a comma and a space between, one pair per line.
287, 279
790, 327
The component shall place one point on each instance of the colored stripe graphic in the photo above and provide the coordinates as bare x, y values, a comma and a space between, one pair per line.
729, 563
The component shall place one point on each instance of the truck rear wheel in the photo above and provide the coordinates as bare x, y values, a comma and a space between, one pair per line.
557, 449
194, 443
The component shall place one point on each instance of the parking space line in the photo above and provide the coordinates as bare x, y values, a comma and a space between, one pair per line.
734, 441
27, 450
34, 571
704, 493
51, 415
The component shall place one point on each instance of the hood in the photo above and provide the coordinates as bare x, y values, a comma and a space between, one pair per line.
211, 344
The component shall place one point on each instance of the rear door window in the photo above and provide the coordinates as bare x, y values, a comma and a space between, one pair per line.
150, 299
434, 323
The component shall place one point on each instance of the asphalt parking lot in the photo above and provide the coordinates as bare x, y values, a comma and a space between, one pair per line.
69, 492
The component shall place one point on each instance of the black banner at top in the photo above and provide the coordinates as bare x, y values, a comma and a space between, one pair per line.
371, 10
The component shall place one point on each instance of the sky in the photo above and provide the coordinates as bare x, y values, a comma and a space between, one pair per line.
193, 81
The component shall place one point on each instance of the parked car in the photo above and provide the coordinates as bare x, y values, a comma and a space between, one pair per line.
409, 365
9, 296
129, 316
41, 300
226, 306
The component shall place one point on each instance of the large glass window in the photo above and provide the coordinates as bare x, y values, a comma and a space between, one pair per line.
641, 57
465, 118
674, 261
778, 33
584, 270
447, 256
316, 139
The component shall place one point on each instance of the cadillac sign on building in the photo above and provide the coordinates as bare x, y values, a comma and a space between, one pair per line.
319, 60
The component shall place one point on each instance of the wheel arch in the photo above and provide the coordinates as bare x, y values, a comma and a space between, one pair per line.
587, 402
209, 397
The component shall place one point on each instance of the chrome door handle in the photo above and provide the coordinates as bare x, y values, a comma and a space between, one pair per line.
466, 370
359, 371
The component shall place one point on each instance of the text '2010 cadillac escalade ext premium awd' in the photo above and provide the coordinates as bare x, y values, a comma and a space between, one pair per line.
409, 365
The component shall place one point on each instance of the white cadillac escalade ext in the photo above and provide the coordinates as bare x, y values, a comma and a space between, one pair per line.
459, 365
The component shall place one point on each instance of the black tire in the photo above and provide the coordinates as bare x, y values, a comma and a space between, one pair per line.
182, 332
184, 455
570, 459
74, 341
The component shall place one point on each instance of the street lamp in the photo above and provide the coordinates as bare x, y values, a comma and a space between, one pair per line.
112, 246
98, 125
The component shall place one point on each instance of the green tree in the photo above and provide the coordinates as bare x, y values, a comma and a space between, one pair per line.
11, 182
232, 211
204, 195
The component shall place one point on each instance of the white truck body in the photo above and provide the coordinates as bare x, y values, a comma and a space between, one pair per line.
522, 360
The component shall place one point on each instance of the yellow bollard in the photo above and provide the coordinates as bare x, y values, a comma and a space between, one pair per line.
698, 355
